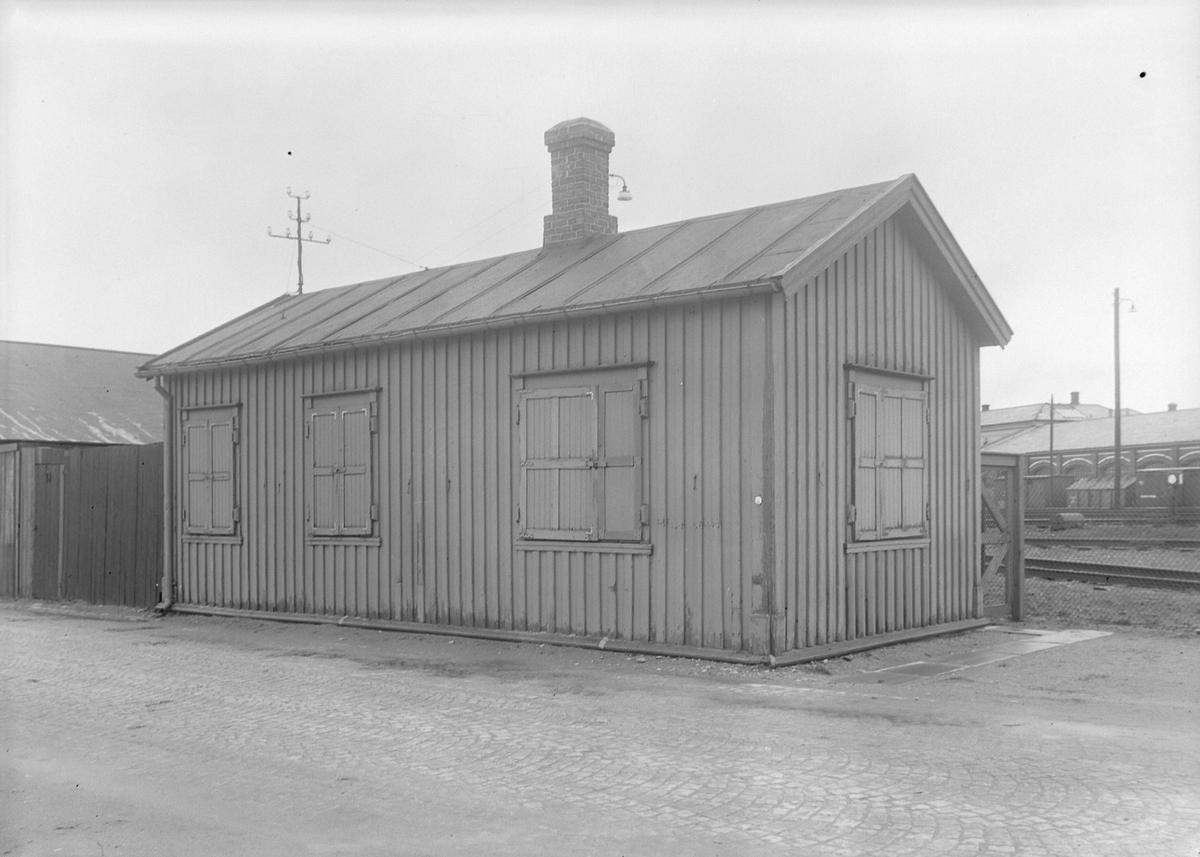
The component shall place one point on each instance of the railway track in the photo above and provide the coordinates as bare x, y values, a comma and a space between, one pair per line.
1107, 572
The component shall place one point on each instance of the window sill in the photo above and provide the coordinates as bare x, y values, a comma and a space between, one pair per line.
353, 541
887, 544
201, 538
586, 547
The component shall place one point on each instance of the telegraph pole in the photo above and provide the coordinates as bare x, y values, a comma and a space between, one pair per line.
1117, 498
298, 238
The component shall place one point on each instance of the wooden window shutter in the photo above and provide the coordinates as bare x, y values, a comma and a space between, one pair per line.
324, 460
355, 476
914, 431
198, 496
221, 444
900, 427
618, 482
558, 463
866, 462
339, 443
210, 500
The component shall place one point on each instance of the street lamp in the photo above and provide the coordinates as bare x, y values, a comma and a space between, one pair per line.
1118, 499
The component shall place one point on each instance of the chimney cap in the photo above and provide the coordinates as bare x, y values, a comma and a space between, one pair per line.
571, 130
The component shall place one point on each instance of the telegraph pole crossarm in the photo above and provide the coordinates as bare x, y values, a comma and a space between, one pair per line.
299, 218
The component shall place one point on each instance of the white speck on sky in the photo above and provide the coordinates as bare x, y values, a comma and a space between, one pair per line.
146, 148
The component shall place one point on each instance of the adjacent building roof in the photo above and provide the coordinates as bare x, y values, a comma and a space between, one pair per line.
1158, 429
56, 393
769, 247
1040, 412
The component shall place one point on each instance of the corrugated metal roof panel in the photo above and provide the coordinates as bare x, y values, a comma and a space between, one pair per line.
640, 271
1163, 427
747, 246
733, 249
60, 394
396, 316
574, 284
295, 320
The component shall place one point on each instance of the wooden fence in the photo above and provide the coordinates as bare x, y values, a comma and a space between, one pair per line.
98, 525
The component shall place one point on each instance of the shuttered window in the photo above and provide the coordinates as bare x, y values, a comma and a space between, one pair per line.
209, 439
581, 461
890, 439
338, 451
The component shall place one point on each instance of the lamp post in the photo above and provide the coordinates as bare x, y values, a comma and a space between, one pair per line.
1118, 500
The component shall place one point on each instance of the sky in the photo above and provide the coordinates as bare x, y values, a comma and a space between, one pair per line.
145, 149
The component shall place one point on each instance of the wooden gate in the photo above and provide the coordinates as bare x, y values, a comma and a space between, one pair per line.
1001, 584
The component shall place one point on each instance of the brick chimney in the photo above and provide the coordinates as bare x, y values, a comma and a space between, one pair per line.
578, 181
1171, 406
1074, 398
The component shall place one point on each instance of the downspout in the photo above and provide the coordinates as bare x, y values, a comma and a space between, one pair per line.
168, 578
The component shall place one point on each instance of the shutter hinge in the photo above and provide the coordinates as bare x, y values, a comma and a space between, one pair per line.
644, 515
926, 510
643, 400
184, 439
183, 515
374, 511
374, 421
233, 426
851, 409
851, 514
308, 428
237, 513
518, 513
927, 416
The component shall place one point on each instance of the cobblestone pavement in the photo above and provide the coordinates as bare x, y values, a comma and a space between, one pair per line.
189, 735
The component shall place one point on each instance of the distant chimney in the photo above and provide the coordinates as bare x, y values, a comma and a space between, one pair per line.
986, 407
1075, 398
578, 181
1172, 406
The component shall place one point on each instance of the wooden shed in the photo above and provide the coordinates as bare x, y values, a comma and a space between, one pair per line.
753, 431
80, 476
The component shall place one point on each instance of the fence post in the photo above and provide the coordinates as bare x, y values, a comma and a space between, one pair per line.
1016, 544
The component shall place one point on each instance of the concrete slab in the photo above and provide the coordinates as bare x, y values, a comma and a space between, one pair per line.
977, 658
923, 669
1023, 647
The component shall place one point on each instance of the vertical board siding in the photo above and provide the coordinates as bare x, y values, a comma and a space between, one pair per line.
878, 305
445, 469
734, 387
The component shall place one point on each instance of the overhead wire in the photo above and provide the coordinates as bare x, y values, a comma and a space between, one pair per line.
451, 240
369, 247
537, 207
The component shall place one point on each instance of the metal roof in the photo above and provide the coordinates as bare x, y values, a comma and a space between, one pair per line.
705, 256
1157, 429
1040, 412
56, 393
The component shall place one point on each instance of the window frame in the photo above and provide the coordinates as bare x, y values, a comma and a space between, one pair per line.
868, 521
597, 385
209, 417
340, 403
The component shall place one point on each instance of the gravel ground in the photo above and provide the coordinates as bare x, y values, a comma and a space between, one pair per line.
1066, 603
